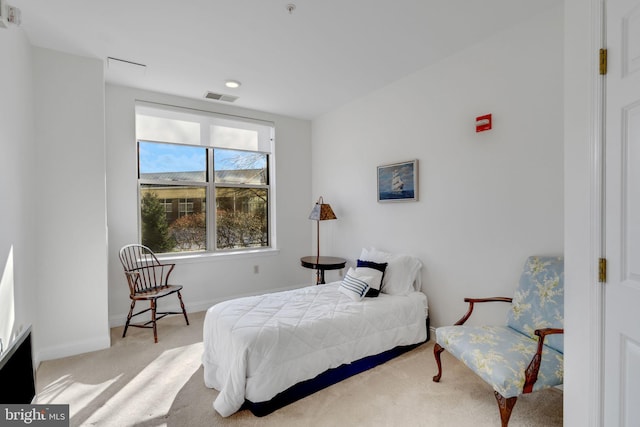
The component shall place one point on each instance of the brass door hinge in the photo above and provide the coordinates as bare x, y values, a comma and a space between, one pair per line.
603, 62
602, 270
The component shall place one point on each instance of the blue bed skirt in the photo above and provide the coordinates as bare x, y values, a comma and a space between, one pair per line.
327, 378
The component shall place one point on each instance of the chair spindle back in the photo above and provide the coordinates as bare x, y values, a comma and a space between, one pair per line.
143, 270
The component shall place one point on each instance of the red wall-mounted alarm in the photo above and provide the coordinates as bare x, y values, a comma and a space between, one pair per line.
483, 123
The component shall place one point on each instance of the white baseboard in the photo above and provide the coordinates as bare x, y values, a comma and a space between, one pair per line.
71, 349
120, 319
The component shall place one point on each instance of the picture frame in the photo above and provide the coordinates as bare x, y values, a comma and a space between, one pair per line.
398, 182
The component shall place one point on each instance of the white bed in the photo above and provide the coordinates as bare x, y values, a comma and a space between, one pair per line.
256, 347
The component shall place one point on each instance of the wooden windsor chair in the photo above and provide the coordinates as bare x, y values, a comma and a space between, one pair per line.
148, 280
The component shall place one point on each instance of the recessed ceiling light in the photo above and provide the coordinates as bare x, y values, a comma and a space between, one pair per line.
233, 84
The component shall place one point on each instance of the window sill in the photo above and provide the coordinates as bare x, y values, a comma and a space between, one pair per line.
188, 258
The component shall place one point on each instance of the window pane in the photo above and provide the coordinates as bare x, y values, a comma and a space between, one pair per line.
239, 167
241, 218
173, 218
172, 162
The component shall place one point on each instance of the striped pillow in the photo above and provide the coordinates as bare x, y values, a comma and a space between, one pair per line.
355, 286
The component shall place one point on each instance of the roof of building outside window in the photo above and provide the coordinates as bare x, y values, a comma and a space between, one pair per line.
235, 176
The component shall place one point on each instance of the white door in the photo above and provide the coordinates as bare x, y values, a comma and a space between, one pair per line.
622, 198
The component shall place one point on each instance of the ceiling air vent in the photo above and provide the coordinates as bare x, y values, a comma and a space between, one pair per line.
220, 97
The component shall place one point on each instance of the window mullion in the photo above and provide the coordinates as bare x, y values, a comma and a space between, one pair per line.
211, 203
230, 185
171, 183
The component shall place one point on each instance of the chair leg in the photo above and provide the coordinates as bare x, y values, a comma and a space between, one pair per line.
153, 319
437, 350
182, 306
126, 325
506, 406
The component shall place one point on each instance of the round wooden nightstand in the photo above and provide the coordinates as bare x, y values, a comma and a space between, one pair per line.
321, 264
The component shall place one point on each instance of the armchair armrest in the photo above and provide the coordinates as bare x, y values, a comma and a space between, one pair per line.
546, 331
167, 269
531, 373
472, 301
133, 278
168, 264
168, 272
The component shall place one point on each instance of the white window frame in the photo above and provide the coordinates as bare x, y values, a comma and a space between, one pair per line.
205, 119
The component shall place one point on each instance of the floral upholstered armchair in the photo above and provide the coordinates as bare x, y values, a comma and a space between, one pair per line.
526, 354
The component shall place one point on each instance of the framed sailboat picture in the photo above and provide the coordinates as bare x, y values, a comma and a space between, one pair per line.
398, 182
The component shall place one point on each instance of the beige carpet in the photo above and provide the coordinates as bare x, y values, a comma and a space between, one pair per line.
139, 383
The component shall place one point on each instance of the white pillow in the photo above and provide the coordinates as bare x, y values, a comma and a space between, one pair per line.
355, 285
402, 275
376, 275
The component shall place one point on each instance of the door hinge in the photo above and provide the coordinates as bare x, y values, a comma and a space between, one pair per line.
603, 62
602, 270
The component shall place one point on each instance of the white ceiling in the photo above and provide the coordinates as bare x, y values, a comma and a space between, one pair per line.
302, 64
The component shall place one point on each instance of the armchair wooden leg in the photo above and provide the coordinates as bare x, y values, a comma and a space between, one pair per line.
506, 406
182, 306
126, 325
437, 349
153, 320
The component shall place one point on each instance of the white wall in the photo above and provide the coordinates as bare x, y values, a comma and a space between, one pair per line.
487, 200
208, 280
18, 190
71, 249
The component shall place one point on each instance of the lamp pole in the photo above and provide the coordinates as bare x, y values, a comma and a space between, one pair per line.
318, 251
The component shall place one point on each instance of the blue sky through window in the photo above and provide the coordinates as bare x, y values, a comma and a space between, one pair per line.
157, 157
225, 159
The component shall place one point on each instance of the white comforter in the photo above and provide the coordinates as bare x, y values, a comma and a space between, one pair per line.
256, 347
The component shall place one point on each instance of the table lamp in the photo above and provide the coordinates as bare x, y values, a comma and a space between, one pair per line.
321, 212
